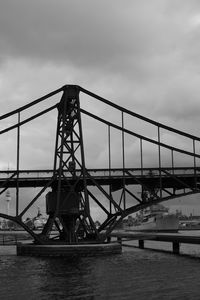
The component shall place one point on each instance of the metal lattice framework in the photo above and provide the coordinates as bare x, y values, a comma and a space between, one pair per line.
73, 186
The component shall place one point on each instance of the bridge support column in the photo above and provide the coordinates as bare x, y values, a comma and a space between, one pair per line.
68, 213
69, 200
108, 239
119, 239
176, 247
141, 244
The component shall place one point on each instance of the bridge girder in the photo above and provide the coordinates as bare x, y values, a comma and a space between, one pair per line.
71, 183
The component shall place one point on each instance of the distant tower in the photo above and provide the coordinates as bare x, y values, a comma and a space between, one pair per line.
8, 199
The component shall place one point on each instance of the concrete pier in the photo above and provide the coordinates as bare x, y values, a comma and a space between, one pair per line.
69, 250
176, 239
141, 244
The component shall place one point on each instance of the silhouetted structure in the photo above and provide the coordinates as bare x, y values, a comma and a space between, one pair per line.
68, 202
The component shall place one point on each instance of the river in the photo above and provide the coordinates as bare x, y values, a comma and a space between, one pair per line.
134, 274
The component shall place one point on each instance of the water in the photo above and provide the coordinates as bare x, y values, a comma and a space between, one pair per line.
135, 274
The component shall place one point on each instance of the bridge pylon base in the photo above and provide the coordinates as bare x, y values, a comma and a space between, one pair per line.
69, 250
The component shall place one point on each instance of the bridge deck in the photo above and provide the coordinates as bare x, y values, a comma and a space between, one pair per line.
154, 236
169, 178
175, 238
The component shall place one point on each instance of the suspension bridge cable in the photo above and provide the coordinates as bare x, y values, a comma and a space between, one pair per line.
29, 119
139, 116
138, 135
31, 103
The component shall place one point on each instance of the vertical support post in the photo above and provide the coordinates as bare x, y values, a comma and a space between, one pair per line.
56, 145
172, 161
195, 172
64, 103
141, 157
123, 161
119, 239
71, 197
141, 163
82, 156
18, 149
159, 157
141, 244
176, 247
172, 155
109, 164
108, 239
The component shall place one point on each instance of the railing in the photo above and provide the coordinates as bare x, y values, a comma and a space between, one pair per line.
8, 238
148, 172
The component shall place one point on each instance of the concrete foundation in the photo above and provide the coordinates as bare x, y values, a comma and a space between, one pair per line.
69, 250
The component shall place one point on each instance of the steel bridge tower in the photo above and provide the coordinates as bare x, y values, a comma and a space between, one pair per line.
114, 190
68, 203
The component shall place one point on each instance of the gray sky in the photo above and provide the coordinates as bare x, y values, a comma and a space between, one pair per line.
143, 55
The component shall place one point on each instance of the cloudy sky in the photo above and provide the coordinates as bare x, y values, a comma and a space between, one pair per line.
140, 54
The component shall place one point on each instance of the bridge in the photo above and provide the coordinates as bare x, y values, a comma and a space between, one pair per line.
125, 183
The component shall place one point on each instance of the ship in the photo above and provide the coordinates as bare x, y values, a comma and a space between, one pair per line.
155, 218
39, 221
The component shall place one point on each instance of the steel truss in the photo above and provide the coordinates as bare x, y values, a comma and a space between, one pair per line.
68, 202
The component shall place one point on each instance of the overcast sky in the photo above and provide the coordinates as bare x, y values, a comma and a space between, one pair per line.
140, 54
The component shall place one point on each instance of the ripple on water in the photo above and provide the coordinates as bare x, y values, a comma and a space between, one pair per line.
136, 274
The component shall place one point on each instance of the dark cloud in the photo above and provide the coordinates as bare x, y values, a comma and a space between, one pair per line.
136, 41
143, 55
73, 32
90, 34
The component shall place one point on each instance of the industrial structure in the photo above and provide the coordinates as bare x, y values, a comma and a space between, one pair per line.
69, 186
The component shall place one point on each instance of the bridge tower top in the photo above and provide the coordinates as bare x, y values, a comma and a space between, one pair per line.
68, 200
